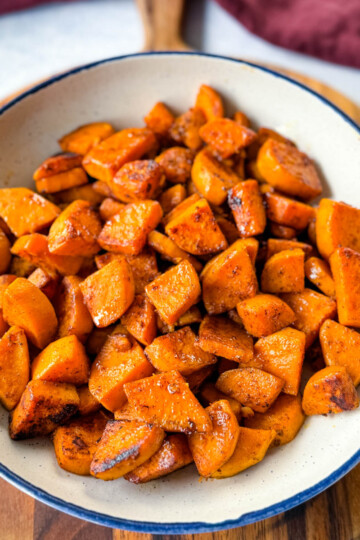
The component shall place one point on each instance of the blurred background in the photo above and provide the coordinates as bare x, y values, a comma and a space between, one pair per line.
50, 37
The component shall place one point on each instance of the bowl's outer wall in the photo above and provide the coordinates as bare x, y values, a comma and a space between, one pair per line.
122, 92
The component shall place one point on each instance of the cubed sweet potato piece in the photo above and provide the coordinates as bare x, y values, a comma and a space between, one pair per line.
226, 137
228, 229
47, 283
43, 406
337, 225
329, 390
251, 448
75, 231
159, 119
210, 102
311, 310
35, 249
195, 230
109, 292
345, 268
174, 291
225, 338
61, 181
14, 366
265, 314
123, 447
76, 442
241, 118
109, 208
180, 208
172, 197
179, 351
172, 455
192, 316
212, 178
247, 207
281, 231
341, 347
212, 450
289, 170
140, 320
120, 360
26, 306
252, 387
63, 361
26, 212
169, 250
228, 278
176, 162
275, 245
137, 180
58, 164
185, 129
166, 400
209, 393
5, 253
73, 315
97, 338
5, 281
284, 272
318, 272
105, 159
127, 231
82, 139
288, 212
21, 267
197, 378
282, 354
85, 193
285, 417
88, 404
101, 188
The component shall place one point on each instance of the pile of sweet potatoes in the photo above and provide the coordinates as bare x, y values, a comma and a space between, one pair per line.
161, 291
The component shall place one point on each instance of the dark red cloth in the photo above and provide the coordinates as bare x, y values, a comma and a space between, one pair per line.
328, 29
15, 5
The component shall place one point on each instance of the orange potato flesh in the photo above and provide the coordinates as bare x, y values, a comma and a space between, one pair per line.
337, 225
85, 192
345, 268
340, 347
225, 136
247, 207
5, 253
137, 180
109, 208
264, 314
176, 162
159, 119
228, 229
288, 212
48, 284
62, 181
284, 272
169, 250
73, 315
225, 338
209, 393
140, 320
281, 231
275, 245
180, 208
197, 378
88, 404
58, 164
14, 366
185, 130
241, 118
172, 197
82, 139
210, 102
318, 272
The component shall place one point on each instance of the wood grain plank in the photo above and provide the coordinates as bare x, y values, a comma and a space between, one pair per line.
16, 513
317, 518
352, 482
125, 535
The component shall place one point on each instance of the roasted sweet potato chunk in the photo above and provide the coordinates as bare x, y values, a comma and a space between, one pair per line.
64, 180
209, 393
329, 390
137, 180
288, 212
14, 366
209, 102
241, 118
159, 119
109, 292
165, 400
43, 406
286, 168
191, 316
180, 208
85, 193
247, 207
179, 351
88, 404
140, 320
45, 282
172, 197
175, 291
185, 129
172, 455
5, 253
337, 225
275, 245
82, 139
212, 450
281, 231
284, 272
225, 136
318, 272
169, 250
197, 378
109, 208
225, 338
264, 314
252, 387
345, 268
228, 229
341, 347
55, 165
176, 162
73, 315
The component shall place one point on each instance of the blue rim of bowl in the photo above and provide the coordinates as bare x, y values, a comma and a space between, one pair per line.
189, 527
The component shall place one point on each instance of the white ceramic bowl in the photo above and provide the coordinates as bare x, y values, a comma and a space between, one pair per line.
122, 90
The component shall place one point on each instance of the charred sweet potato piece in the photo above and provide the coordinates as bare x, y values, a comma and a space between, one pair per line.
179, 351
165, 400
137, 180
109, 208
105, 159
311, 310
225, 338
275, 245
120, 360
228, 278
172, 197
26, 306
75, 231
5, 281
58, 164
212, 450
85, 193
337, 225
169, 250
329, 390
185, 129
180, 208
241, 118
76, 442
318, 272
226, 137
265, 314
253, 387
174, 291
35, 249
212, 178
247, 207
281, 231
43, 406
288, 212
140, 320
88, 404
123, 447
195, 230
61, 181
73, 315
176, 162
345, 268
228, 229
172, 455
225, 365
25, 211
197, 378
282, 354
63, 361
45, 282
285, 417
14, 366
340, 347
5, 253
127, 231
82, 139
109, 292
251, 448
289, 170
101, 188
209, 393
159, 119
97, 338
209, 102
191, 316
284, 272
